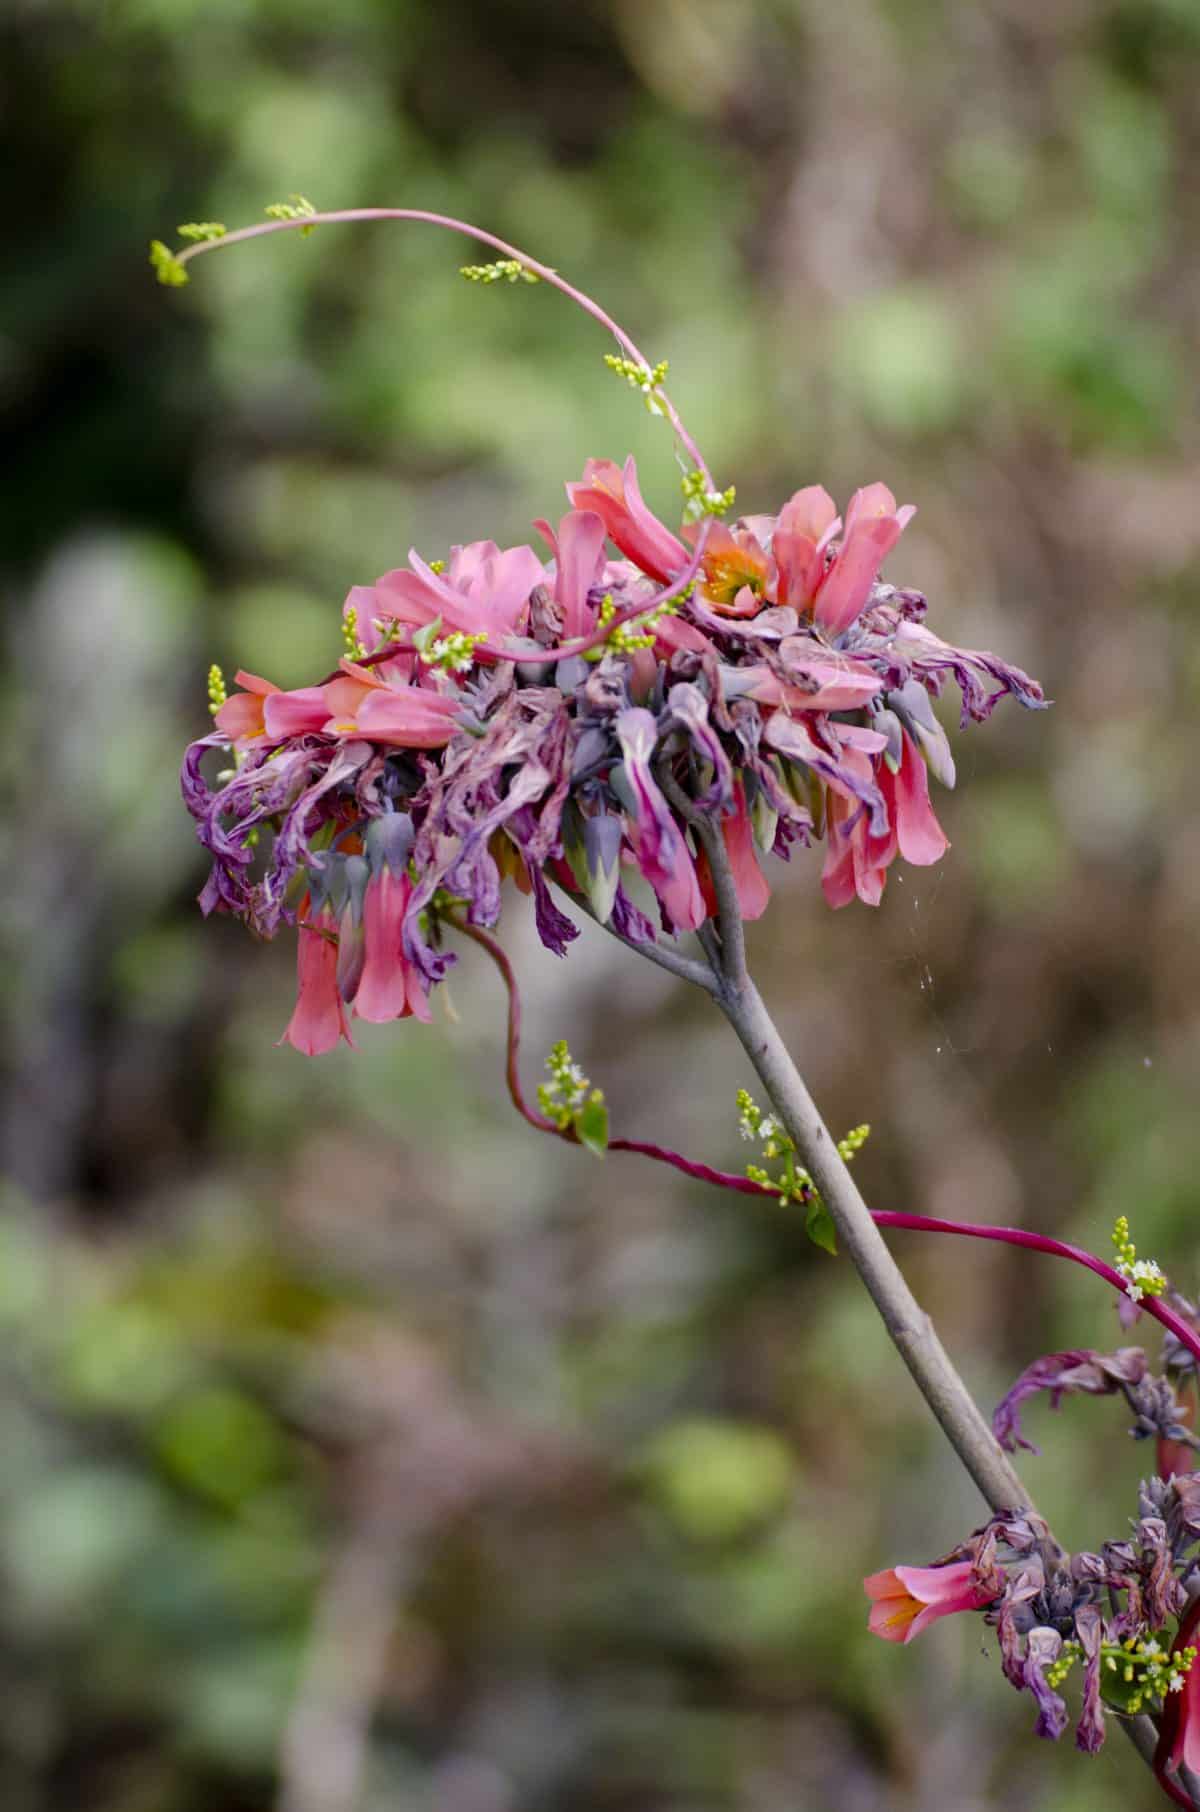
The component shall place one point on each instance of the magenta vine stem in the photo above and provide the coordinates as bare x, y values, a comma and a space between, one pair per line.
703, 1173
449, 224
1057, 1248
725, 1179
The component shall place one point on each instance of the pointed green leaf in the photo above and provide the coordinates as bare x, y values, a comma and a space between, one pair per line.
591, 1123
818, 1224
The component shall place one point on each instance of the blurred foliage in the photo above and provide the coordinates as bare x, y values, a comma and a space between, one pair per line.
342, 1422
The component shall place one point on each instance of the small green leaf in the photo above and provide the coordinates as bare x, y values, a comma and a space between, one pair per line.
818, 1224
591, 1123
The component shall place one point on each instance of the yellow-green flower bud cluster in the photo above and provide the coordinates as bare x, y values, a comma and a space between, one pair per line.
296, 207
453, 653
167, 267
700, 499
853, 1142
1142, 1276
561, 1098
646, 378
628, 637
1142, 1663
502, 270
356, 648
200, 230
793, 1183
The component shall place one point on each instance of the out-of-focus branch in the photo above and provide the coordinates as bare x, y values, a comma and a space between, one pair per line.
326, 1743
422, 1454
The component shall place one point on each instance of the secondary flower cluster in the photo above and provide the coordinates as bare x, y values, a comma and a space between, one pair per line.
1050, 1609
562, 720
1112, 1611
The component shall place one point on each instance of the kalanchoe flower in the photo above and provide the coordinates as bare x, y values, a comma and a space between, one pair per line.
1111, 1611
906, 1600
763, 670
1179, 1731
319, 1019
614, 496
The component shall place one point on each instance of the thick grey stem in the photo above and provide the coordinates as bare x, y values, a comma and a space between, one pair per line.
909, 1326
910, 1329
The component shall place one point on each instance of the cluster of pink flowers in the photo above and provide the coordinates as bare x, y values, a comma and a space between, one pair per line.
1110, 1611
512, 715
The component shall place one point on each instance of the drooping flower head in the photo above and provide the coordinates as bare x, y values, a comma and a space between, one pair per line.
786, 692
906, 1600
569, 720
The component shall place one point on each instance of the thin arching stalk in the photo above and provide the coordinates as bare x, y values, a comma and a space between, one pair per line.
545, 273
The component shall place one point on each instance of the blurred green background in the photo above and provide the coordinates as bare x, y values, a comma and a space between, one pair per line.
361, 1453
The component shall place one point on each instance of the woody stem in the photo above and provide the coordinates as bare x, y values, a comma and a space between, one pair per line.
909, 1327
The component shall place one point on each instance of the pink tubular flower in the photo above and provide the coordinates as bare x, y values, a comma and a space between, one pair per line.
319, 1018
857, 859
390, 986
753, 891
484, 590
578, 564
873, 527
804, 528
920, 837
906, 1600
615, 497
242, 715
735, 570
1179, 1729
834, 591
379, 702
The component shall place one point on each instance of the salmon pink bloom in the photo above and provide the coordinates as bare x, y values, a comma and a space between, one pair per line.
379, 702
319, 1018
873, 527
735, 569
753, 892
804, 528
241, 717
484, 591
906, 1600
787, 692
834, 587
390, 986
1179, 1730
578, 568
857, 857
615, 497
